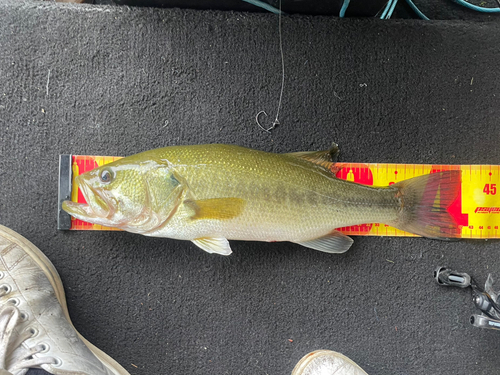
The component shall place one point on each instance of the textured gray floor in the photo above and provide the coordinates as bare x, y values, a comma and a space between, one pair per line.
127, 80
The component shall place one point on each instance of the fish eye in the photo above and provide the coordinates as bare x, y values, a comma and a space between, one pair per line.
106, 176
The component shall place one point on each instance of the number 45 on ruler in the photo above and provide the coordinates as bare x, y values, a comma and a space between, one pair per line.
490, 189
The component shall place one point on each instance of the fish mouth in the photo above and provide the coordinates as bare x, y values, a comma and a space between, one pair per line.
96, 207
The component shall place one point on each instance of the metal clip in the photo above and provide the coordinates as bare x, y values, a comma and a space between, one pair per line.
446, 277
484, 299
482, 321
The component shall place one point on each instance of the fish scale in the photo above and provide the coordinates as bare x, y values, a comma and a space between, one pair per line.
287, 198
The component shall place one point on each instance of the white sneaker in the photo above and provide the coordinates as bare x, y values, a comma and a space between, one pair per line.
327, 362
35, 328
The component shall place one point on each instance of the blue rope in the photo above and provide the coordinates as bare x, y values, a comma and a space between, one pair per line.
386, 10
264, 5
389, 8
478, 8
416, 10
389, 14
344, 8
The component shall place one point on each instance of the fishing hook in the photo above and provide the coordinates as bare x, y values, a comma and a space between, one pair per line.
275, 123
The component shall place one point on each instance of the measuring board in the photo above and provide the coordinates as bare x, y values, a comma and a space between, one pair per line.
476, 209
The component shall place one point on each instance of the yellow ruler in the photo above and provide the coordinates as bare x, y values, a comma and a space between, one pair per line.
476, 209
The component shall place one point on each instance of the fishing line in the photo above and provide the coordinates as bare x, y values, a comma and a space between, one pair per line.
276, 120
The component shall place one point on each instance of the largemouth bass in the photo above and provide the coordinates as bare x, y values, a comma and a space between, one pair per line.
210, 194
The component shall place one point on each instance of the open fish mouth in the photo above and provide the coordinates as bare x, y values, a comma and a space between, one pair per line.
95, 208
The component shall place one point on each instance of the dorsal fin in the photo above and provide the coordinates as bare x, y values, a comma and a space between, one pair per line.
325, 158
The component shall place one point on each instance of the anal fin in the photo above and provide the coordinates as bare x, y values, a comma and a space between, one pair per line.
335, 243
213, 245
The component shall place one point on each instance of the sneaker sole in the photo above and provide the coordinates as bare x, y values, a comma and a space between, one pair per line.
307, 359
55, 280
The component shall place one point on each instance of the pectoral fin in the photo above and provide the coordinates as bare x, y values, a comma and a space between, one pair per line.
214, 245
325, 158
216, 208
335, 242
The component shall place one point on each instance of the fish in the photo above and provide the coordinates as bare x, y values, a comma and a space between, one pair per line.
212, 193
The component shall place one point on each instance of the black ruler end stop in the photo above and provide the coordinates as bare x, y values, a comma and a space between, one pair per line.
65, 187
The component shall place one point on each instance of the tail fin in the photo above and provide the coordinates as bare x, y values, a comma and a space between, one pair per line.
424, 203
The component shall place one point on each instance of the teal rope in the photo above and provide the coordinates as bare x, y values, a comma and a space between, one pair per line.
389, 14
344, 8
478, 8
264, 5
416, 10
386, 10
